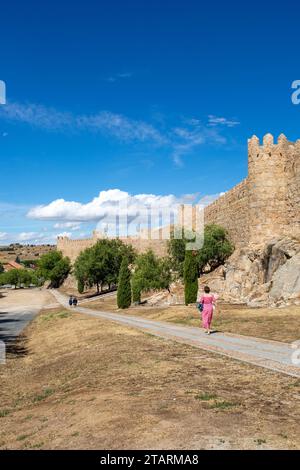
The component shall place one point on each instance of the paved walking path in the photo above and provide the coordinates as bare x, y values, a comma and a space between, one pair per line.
268, 354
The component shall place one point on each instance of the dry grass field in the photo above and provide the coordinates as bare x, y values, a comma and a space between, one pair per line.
278, 324
80, 382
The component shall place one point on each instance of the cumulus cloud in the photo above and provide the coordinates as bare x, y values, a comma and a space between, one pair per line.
36, 238
3, 235
29, 236
114, 208
107, 205
114, 211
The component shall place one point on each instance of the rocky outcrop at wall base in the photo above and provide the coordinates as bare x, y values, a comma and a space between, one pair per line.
269, 275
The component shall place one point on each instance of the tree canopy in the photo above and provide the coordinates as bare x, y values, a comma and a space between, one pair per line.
100, 264
215, 250
19, 277
150, 272
54, 267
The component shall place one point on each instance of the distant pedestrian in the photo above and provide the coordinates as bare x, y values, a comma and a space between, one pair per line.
207, 301
70, 300
75, 302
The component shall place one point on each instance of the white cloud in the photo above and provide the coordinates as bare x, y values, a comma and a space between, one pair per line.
112, 205
64, 234
39, 238
29, 236
181, 139
222, 121
3, 235
107, 205
102, 211
193, 135
206, 200
118, 76
71, 225
106, 122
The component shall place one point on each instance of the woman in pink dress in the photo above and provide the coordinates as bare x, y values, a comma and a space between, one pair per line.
208, 300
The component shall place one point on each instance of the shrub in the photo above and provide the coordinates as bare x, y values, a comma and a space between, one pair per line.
216, 248
190, 277
150, 272
124, 287
80, 286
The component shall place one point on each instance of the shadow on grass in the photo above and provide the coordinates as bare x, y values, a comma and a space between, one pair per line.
15, 347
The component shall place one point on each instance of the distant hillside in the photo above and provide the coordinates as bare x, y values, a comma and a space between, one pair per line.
23, 252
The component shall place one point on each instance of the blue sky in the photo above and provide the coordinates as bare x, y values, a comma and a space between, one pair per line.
138, 97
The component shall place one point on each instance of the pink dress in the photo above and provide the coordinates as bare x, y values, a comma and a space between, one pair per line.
208, 310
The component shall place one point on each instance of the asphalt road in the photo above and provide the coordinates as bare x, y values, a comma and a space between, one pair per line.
18, 308
13, 321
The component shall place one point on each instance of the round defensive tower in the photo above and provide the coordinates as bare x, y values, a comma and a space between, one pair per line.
267, 185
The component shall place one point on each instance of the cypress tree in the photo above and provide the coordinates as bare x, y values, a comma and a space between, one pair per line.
136, 292
190, 277
124, 287
80, 286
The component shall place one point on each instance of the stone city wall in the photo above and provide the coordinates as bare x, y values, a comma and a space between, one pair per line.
264, 206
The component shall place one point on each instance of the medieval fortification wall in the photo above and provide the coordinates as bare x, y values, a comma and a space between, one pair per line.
72, 248
264, 206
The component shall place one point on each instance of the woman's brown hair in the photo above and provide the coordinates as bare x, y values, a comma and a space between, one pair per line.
206, 290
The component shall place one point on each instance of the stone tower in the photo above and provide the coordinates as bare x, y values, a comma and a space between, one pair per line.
267, 188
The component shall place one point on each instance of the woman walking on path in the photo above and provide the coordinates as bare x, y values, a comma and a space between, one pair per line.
208, 302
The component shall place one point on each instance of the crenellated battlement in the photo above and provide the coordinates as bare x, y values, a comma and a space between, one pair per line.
268, 144
267, 203
72, 248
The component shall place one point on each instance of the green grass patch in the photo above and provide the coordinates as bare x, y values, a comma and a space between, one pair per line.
28, 418
205, 396
55, 316
38, 445
260, 442
47, 392
4, 413
295, 384
22, 437
223, 405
